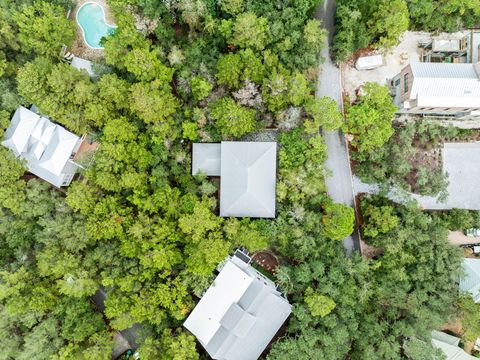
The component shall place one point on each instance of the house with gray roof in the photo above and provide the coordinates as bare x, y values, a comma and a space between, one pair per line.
470, 282
239, 314
439, 89
82, 64
247, 173
450, 346
46, 147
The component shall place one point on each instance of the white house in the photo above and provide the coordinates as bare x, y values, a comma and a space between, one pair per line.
239, 314
47, 148
449, 346
444, 89
247, 173
470, 282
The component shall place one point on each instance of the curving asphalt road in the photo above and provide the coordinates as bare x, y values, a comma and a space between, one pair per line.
339, 184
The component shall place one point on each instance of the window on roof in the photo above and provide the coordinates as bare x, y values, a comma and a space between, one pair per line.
405, 83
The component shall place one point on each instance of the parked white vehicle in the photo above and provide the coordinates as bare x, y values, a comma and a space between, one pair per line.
369, 62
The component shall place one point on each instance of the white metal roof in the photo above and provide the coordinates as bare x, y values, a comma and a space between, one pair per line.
445, 85
449, 346
470, 282
239, 314
247, 179
45, 146
206, 158
82, 64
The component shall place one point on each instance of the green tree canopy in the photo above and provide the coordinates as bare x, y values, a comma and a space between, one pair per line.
338, 221
44, 28
324, 113
370, 120
231, 119
378, 219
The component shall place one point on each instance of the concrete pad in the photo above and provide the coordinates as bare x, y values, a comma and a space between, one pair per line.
393, 63
462, 163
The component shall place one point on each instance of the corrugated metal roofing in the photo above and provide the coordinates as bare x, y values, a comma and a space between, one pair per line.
451, 350
230, 330
45, 146
247, 173
248, 179
206, 158
438, 85
443, 70
470, 282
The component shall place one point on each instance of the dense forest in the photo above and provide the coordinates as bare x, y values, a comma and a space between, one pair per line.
137, 224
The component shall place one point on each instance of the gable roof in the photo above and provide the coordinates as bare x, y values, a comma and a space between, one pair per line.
18, 133
248, 177
470, 282
449, 346
45, 146
445, 85
239, 314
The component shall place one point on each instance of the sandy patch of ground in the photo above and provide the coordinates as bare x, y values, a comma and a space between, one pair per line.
353, 78
79, 48
459, 238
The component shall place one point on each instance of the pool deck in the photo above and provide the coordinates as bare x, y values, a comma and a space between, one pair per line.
79, 48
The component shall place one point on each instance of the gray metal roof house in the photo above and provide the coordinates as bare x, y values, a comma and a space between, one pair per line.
46, 147
449, 346
239, 314
444, 89
247, 173
470, 282
82, 64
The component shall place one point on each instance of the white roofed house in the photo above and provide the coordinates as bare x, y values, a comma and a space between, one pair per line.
470, 282
450, 346
46, 147
247, 173
439, 89
239, 314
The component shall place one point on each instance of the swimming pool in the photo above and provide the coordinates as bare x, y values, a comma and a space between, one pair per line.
91, 18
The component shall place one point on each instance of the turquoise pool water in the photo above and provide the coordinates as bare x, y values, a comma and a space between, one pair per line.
91, 18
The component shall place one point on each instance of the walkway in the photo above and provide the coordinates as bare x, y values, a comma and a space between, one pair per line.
459, 238
339, 184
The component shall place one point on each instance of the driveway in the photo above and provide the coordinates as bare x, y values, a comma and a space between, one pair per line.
339, 184
459, 238
462, 163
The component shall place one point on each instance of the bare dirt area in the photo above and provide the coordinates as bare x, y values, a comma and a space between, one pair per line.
267, 260
79, 47
459, 238
395, 60
455, 328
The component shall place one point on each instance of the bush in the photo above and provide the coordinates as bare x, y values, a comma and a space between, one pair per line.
338, 221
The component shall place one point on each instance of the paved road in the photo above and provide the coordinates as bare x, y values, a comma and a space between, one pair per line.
339, 184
